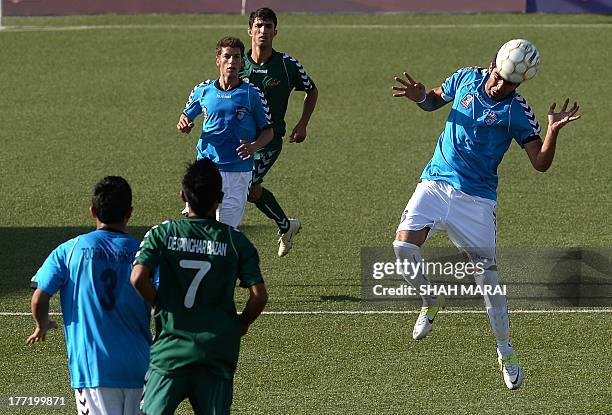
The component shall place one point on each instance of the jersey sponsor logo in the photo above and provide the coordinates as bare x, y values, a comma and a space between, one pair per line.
260, 71
224, 96
274, 82
467, 101
196, 246
490, 118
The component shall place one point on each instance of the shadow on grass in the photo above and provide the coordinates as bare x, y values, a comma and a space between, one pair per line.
23, 251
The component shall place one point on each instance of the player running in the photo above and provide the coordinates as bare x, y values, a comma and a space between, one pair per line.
199, 259
458, 188
106, 323
277, 75
233, 112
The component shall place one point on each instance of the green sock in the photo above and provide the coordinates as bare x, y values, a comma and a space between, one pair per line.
269, 206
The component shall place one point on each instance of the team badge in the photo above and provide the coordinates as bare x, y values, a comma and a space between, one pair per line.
240, 113
467, 101
490, 118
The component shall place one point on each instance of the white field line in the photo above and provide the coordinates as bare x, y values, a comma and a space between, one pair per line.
7, 29
371, 312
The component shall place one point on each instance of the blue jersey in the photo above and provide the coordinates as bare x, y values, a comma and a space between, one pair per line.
229, 116
477, 134
106, 322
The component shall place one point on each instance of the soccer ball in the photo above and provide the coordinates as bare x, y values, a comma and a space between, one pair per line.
517, 60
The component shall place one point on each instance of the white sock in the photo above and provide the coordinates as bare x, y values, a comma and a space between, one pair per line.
412, 253
497, 310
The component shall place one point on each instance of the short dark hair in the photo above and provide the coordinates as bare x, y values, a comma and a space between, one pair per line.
265, 13
230, 42
112, 199
202, 186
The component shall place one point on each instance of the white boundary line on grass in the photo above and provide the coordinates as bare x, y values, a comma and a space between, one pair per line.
7, 29
374, 312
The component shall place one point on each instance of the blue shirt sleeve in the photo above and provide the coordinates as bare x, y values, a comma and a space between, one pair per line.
524, 126
53, 274
450, 86
193, 107
260, 108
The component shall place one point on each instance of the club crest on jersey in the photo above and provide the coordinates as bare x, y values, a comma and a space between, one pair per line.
240, 113
490, 118
467, 101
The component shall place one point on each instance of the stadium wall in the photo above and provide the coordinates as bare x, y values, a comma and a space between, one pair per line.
92, 7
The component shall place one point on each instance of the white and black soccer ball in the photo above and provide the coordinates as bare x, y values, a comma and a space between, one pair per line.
517, 60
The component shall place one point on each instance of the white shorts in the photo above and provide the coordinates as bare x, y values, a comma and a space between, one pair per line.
235, 188
469, 220
108, 401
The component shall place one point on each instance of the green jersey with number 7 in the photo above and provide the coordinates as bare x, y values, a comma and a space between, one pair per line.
198, 262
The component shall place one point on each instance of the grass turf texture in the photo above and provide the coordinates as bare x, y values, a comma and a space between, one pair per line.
77, 105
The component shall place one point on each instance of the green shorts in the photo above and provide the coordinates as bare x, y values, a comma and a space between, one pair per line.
207, 393
263, 163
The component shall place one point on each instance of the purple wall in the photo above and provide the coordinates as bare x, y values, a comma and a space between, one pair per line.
84, 7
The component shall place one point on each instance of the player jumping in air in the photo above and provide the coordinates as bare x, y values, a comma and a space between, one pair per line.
277, 75
458, 187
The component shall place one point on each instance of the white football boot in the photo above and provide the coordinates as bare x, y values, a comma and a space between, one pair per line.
285, 242
511, 370
424, 322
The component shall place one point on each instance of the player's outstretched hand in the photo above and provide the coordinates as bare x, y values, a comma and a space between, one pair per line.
557, 120
245, 150
40, 333
298, 134
409, 88
184, 124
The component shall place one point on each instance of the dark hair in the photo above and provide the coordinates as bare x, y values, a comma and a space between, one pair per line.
230, 42
112, 199
202, 186
264, 13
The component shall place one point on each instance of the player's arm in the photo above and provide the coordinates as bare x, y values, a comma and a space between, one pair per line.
184, 124
310, 102
258, 297
40, 312
541, 153
143, 283
246, 150
192, 109
415, 91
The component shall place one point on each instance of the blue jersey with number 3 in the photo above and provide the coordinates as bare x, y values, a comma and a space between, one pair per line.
477, 134
106, 322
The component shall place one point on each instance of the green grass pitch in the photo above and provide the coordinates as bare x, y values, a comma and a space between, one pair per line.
79, 103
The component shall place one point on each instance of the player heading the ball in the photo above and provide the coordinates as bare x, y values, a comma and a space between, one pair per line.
458, 188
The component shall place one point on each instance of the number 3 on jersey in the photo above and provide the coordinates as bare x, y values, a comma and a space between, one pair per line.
203, 267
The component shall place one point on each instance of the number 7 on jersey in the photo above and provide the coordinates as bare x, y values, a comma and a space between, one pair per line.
203, 267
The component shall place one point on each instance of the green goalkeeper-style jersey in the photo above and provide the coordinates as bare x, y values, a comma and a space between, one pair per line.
199, 261
280, 75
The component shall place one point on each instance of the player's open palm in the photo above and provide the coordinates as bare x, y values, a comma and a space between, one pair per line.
557, 120
409, 88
